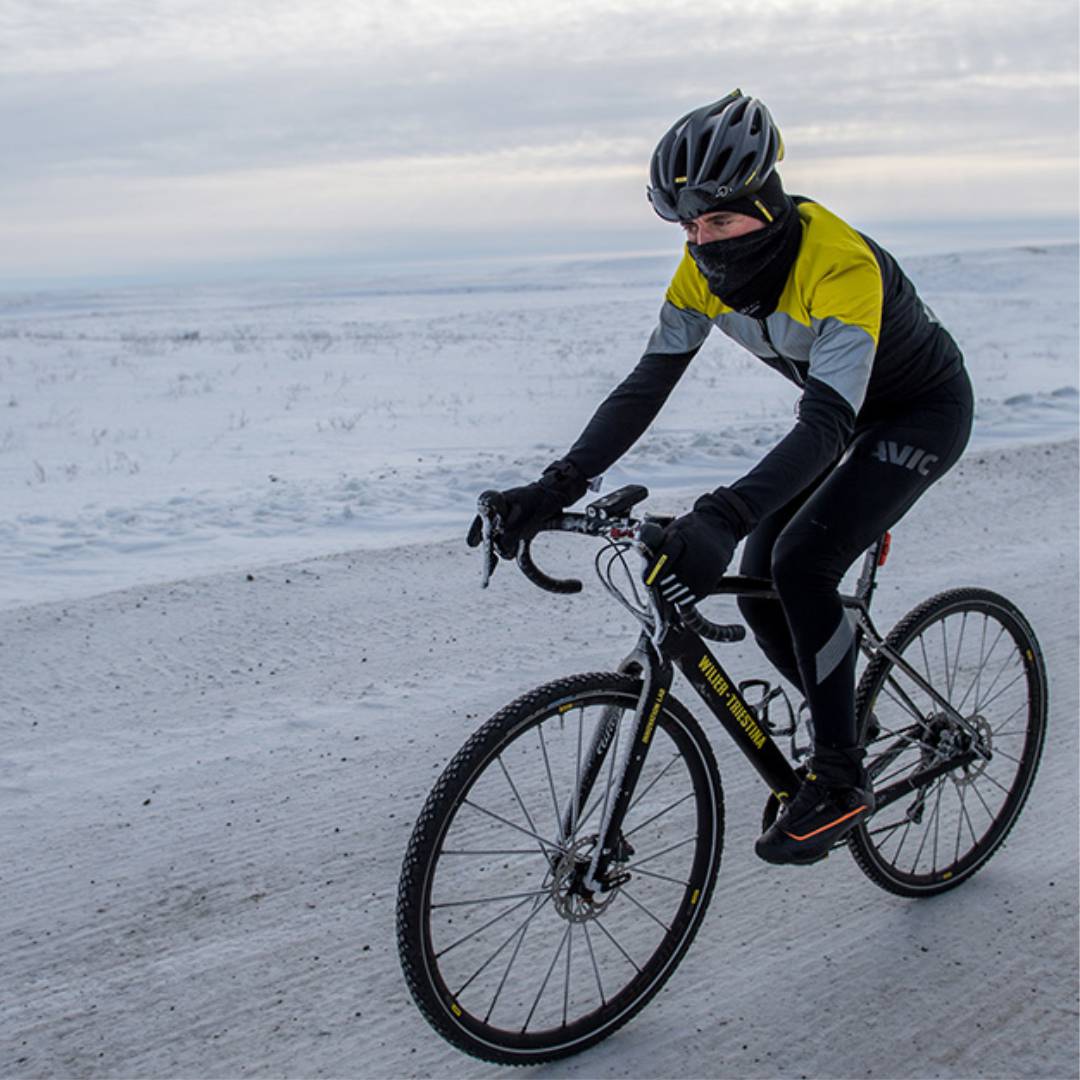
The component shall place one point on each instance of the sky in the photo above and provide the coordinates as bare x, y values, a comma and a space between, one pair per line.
149, 138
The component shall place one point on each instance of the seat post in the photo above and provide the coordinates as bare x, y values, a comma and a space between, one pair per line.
875, 556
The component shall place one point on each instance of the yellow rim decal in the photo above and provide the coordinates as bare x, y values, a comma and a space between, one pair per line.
694, 898
454, 1008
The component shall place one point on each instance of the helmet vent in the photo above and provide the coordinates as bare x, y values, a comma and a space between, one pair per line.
739, 111
680, 165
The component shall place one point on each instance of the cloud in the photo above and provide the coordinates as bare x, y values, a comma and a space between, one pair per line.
121, 118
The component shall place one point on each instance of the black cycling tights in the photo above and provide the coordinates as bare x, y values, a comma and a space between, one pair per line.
808, 546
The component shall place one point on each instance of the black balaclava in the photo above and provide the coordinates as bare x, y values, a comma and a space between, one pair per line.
749, 272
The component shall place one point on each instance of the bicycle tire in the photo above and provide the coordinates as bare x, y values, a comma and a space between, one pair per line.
494, 764
976, 649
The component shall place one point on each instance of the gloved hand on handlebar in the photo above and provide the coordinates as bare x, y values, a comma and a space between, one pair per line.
695, 549
520, 511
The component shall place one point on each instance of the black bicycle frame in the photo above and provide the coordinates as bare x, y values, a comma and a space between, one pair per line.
683, 648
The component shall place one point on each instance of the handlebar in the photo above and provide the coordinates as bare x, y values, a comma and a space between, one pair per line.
610, 517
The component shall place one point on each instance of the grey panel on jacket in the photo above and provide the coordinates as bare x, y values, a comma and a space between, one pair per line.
678, 331
833, 352
842, 358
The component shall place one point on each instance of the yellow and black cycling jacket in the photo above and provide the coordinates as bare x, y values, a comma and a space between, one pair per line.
849, 328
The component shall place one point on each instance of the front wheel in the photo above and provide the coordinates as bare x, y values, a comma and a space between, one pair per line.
978, 652
507, 952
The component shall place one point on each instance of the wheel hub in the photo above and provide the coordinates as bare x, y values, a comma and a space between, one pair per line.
571, 899
985, 741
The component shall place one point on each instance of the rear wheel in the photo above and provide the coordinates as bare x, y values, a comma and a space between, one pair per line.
977, 651
506, 952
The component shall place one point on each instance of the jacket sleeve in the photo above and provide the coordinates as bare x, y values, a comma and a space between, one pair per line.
824, 428
626, 413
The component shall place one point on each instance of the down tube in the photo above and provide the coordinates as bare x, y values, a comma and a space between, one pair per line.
708, 678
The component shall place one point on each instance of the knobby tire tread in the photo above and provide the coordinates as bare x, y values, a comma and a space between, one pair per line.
471, 759
920, 617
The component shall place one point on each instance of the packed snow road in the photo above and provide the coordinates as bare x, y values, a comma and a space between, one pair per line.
207, 788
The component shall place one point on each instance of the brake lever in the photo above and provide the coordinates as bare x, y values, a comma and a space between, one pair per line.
489, 520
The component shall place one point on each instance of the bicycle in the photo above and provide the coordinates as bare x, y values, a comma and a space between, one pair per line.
565, 858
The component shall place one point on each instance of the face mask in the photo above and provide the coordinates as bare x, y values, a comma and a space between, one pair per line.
748, 272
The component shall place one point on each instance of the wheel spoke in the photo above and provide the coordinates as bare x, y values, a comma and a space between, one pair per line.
660, 814
513, 787
595, 966
926, 834
984, 659
999, 753
608, 934
566, 985
985, 805
491, 959
522, 930
497, 851
551, 781
624, 891
999, 786
535, 835
498, 918
489, 899
983, 705
937, 822
661, 877
652, 783
547, 978
959, 649
960, 827
656, 855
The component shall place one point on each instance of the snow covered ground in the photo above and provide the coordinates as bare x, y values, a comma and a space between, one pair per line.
148, 435
227, 681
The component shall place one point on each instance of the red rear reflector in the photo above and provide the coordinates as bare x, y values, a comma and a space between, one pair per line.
886, 543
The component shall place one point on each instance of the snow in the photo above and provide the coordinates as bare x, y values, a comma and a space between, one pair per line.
149, 434
240, 636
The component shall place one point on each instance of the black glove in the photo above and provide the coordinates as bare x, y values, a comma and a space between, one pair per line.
522, 510
696, 548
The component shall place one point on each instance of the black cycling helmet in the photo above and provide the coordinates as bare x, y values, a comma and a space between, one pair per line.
717, 155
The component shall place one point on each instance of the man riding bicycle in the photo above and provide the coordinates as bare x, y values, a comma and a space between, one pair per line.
886, 409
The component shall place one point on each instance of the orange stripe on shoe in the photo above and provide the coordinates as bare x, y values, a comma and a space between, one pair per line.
831, 825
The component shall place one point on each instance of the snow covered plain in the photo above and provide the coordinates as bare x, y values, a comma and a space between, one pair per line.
240, 636
150, 434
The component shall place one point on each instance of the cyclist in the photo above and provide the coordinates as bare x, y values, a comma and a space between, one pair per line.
886, 409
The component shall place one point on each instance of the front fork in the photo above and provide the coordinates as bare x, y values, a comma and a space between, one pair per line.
628, 747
